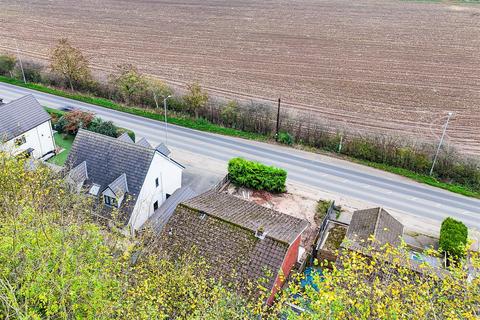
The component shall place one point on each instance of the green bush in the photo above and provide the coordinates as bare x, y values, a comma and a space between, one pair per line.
103, 127
256, 175
453, 237
285, 138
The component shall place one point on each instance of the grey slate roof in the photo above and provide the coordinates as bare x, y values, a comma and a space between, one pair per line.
108, 158
144, 142
215, 227
125, 137
249, 215
79, 173
162, 148
19, 116
374, 222
119, 186
162, 215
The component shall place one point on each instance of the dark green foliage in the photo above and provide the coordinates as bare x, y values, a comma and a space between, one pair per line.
60, 124
453, 237
256, 175
7, 63
103, 127
285, 138
32, 71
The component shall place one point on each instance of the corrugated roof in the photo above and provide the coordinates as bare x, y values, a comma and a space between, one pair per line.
249, 215
19, 116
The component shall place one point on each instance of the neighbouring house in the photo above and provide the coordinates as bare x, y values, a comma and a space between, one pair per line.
242, 242
133, 177
26, 128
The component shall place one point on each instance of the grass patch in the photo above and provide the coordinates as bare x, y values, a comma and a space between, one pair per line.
422, 178
204, 125
64, 143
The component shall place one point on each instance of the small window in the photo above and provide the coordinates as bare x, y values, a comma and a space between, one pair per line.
156, 182
168, 195
155, 205
20, 140
109, 201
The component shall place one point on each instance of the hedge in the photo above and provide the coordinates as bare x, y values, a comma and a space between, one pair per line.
256, 175
453, 237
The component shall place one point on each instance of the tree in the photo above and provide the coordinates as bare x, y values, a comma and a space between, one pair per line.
230, 113
129, 83
196, 98
74, 120
381, 284
7, 63
70, 63
158, 88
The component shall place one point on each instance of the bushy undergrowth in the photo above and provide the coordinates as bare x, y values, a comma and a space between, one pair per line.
257, 120
256, 175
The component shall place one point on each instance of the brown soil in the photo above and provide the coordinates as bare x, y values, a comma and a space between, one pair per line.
382, 65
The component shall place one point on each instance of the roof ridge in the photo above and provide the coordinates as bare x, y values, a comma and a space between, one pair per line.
113, 139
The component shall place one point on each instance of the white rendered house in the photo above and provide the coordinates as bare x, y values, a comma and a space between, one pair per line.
134, 177
26, 128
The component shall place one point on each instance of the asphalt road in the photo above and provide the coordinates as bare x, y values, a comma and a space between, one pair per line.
313, 170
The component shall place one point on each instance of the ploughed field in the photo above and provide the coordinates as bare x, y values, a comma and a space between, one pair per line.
369, 65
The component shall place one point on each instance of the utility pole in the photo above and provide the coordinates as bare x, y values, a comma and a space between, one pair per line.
20, 60
278, 121
165, 113
441, 141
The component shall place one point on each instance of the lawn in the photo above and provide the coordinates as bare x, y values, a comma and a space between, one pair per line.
63, 143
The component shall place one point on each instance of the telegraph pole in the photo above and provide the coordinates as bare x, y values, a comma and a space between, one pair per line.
441, 141
20, 60
278, 121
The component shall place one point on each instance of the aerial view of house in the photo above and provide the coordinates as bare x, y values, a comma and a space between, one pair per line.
25, 128
123, 174
241, 241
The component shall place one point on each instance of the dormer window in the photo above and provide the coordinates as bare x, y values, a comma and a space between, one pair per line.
110, 201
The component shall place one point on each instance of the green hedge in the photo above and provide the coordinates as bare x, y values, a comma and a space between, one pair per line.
256, 175
453, 237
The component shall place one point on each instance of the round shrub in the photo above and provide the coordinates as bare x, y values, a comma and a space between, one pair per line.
453, 237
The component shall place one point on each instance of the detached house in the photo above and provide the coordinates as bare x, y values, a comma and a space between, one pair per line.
242, 242
25, 128
134, 177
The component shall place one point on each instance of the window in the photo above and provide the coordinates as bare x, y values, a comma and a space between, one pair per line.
20, 140
109, 201
168, 195
155, 205
156, 182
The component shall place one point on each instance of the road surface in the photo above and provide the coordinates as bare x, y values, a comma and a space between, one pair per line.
313, 170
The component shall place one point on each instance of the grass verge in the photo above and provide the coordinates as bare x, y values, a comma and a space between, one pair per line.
206, 126
64, 142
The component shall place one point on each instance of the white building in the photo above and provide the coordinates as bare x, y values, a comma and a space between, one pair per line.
134, 177
25, 127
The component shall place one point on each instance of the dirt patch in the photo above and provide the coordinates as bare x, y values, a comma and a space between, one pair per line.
371, 65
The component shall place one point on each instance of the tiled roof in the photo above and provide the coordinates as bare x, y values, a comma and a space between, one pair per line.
19, 116
249, 215
162, 148
375, 222
161, 216
125, 137
120, 185
203, 227
144, 142
108, 158
79, 173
